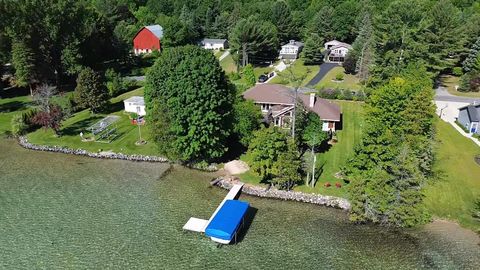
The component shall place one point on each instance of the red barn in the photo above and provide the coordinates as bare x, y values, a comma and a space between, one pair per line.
147, 39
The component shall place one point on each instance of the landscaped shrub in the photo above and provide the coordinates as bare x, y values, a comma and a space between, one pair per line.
457, 71
359, 96
234, 76
470, 82
339, 76
19, 127
347, 94
462, 127
329, 93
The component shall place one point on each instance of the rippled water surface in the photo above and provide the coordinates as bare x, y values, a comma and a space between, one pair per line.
59, 211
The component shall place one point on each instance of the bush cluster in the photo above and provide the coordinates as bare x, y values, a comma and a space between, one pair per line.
344, 94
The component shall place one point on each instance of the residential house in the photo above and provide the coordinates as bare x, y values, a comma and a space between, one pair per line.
291, 50
135, 104
214, 44
276, 102
148, 39
469, 117
336, 51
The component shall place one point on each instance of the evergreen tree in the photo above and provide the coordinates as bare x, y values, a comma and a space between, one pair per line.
249, 75
322, 25
281, 17
24, 63
189, 104
286, 170
363, 48
255, 40
91, 91
472, 58
312, 52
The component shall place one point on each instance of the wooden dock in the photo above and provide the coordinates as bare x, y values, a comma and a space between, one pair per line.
199, 225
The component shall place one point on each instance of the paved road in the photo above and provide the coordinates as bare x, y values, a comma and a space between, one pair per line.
324, 69
136, 78
443, 95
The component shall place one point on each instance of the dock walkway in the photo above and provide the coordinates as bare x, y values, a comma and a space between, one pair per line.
199, 225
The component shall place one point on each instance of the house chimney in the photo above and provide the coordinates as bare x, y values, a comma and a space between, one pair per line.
312, 100
292, 41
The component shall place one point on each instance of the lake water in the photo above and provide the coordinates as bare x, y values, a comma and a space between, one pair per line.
59, 211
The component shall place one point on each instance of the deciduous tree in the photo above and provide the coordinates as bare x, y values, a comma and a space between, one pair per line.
189, 104
314, 136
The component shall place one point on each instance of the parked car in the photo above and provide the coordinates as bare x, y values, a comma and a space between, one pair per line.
263, 78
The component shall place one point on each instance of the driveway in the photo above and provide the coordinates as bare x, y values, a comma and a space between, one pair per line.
442, 94
324, 69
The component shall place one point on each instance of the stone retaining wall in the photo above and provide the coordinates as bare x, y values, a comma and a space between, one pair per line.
228, 182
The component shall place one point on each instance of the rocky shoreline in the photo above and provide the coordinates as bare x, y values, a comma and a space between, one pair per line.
22, 140
331, 201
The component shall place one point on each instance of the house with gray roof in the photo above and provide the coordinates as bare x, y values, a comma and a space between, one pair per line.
214, 44
336, 51
291, 50
469, 117
276, 102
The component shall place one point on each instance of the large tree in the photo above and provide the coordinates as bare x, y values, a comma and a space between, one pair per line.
312, 52
363, 48
472, 58
91, 91
281, 17
322, 25
255, 40
189, 104
314, 136
24, 63
395, 158
247, 119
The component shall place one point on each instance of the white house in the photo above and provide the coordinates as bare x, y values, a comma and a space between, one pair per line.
291, 50
214, 44
135, 104
336, 51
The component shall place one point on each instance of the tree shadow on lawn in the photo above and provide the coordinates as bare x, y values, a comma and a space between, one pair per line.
13, 106
14, 92
80, 126
114, 107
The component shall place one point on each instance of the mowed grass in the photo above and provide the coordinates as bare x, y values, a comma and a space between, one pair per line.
452, 196
349, 81
228, 64
11, 106
334, 158
450, 82
127, 133
299, 70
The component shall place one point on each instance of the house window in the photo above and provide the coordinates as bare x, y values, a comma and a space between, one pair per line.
266, 107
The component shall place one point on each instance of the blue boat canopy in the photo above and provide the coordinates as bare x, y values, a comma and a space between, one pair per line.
227, 220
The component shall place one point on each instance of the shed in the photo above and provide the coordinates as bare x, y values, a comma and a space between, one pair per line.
148, 39
135, 104
214, 44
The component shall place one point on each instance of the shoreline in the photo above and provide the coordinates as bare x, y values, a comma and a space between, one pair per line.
227, 182
23, 142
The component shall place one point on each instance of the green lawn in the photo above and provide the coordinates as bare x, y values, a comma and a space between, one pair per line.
450, 82
9, 107
453, 194
80, 121
299, 69
228, 64
349, 82
336, 157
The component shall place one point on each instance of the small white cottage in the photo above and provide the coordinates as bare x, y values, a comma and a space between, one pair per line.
214, 44
291, 50
135, 104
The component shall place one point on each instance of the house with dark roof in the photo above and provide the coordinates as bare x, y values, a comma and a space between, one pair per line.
469, 117
148, 39
276, 102
214, 44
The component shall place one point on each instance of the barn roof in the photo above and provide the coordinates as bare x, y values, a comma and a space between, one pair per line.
156, 29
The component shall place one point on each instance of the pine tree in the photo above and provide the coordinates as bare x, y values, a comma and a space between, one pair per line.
24, 63
322, 25
472, 58
312, 52
281, 17
91, 91
363, 48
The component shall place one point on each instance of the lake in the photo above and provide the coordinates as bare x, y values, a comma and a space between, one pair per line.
59, 211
